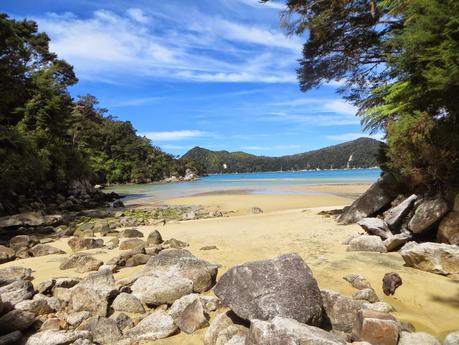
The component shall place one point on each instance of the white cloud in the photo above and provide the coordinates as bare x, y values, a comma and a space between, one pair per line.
353, 136
174, 135
198, 47
271, 4
340, 107
138, 15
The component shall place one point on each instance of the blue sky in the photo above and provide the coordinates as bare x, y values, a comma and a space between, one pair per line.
215, 73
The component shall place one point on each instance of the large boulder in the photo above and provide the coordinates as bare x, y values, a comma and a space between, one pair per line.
432, 257
161, 289
51, 337
94, 293
367, 244
448, 230
282, 286
16, 320
452, 338
155, 326
429, 212
280, 331
407, 338
44, 249
15, 273
377, 197
182, 263
375, 226
28, 219
22, 242
376, 328
394, 217
82, 243
16, 291
6, 254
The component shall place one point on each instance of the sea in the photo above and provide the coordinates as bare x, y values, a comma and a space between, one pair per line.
246, 183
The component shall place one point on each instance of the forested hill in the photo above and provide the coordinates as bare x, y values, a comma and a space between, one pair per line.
359, 153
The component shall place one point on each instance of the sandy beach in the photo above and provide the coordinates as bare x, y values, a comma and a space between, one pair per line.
290, 223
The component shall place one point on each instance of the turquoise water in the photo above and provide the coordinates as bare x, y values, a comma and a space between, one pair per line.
251, 183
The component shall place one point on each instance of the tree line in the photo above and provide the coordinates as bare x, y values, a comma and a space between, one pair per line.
48, 139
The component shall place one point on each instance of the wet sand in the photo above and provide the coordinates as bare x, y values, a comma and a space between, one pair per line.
290, 223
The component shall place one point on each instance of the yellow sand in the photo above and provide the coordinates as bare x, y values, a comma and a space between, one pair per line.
290, 224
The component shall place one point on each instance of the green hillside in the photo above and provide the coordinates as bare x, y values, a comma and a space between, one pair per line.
364, 152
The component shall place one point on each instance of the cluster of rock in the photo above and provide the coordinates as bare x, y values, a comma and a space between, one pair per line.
423, 228
78, 195
165, 297
189, 176
278, 301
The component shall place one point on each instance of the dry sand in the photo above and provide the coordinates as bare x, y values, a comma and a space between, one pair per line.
290, 223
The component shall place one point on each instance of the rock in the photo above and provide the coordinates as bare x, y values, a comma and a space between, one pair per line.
57, 337
234, 334
128, 303
104, 330
378, 196
448, 230
44, 249
192, 318
6, 254
391, 282
22, 241
256, 210
16, 320
67, 282
428, 213
118, 204
81, 262
11, 338
26, 218
132, 244
380, 307
74, 319
375, 226
36, 306
357, 281
15, 273
407, 338
155, 326
221, 322
123, 321
437, 258
154, 238
161, 289
367, 244
340, 311
82, 243
395, 215
395, 242
209, 248
93, 293
175, 244
282, 286
137, 260
366, 295
52, 324
375, 328
350, 238
16, 291
452, 338
280, 331
180, 262
131, 233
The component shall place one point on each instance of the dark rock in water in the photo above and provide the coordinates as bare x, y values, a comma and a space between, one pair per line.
395, 215
448, 230
282, 286
375, 226
391, 282
427, 214
377, 197
154, 238
432, 257
284, 331
375, 328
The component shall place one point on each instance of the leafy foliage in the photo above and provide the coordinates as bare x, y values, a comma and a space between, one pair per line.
47, 139
400, 61
364, 153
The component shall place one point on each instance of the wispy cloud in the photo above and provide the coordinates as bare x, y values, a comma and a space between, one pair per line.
200, 47
174, 135
256, 3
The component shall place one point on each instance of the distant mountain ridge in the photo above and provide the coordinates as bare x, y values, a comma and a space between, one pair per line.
359, 153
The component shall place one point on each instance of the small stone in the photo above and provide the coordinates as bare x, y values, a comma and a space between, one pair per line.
131, 233
6, 254
74, 319
80, 243
407, 338
128, 303
357, 281
44, 249
154, 238
137, 260
452, 338
391, 282
366, 295
155, 326
132, 244
367, 244
256, 210
209, 248
192, 318
375, 328
175, 244
16, 273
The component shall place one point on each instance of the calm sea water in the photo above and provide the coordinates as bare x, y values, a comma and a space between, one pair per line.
251, 183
